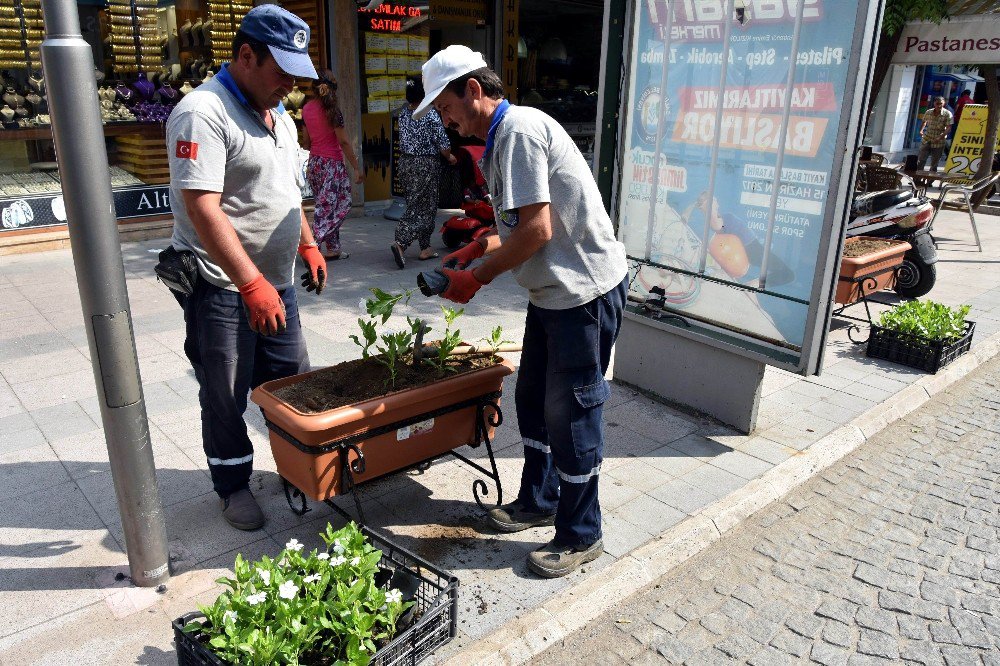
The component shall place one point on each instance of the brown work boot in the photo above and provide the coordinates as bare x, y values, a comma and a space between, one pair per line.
513, 518
552, 561
242, 511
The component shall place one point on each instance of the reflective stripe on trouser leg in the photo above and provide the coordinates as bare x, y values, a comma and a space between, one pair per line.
231, 461
579, 478
228, 359
535, 444
579, 342
539, 489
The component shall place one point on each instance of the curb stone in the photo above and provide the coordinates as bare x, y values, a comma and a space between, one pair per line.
522, 638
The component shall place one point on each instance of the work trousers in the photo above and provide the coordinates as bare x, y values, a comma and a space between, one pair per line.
934, 152
559, 398
229, 359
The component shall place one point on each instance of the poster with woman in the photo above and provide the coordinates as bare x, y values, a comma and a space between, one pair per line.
734, 109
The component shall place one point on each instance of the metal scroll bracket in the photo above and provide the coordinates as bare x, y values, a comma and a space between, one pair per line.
867, 285
484, 422
488, 415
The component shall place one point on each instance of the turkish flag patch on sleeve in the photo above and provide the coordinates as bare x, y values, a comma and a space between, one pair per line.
187, 150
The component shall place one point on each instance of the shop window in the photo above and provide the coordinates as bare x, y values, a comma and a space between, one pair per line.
558, 71
147, 55
395, 39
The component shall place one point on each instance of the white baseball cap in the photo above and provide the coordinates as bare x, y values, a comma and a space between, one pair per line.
443, 68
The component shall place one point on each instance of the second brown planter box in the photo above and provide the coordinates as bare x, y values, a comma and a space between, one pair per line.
879, 266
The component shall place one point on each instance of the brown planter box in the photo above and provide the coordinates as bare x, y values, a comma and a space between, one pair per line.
879, 265
319, 476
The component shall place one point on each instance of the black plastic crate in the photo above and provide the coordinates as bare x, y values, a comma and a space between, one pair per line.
917, 352
436, 609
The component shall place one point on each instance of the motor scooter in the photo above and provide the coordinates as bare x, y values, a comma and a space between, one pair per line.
477, 221
900, 214
478, 218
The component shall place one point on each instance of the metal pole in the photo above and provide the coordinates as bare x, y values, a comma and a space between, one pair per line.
661, 112
779, 163
86, 184
728, 11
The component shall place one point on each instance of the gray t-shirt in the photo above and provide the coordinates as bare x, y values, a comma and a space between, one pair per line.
533, 160
217, 143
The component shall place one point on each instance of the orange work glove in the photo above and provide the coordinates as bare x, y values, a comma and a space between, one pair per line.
315, 277
461, 258
462, 285
264, 308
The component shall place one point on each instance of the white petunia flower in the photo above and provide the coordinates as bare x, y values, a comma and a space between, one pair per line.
229, 615
283, 562
338, 548
394, 596
337, 561
255, 599
355, 561
288, 590
294, 545
323, 556
311, 579
265, 575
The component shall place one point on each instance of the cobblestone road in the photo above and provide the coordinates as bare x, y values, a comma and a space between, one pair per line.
892, 555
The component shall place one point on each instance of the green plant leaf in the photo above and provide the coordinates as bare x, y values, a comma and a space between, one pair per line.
926, 319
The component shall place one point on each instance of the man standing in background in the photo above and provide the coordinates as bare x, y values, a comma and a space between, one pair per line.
934, 134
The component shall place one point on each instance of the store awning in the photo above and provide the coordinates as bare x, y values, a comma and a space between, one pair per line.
962, 40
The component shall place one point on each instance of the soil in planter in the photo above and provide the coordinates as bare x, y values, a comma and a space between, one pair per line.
865, 246
366, 378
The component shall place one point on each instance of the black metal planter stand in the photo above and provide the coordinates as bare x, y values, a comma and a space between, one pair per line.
867, 285
488, 414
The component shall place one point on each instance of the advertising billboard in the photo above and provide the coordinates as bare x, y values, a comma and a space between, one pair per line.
732, 188
967, 144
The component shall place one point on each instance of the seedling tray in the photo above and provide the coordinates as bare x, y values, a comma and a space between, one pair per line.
916, 352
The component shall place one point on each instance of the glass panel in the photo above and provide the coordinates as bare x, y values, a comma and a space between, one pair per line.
752, 89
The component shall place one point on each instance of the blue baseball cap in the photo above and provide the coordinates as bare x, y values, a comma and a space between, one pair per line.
286, 36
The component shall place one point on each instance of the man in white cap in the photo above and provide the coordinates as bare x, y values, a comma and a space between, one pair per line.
238, 210
555, 236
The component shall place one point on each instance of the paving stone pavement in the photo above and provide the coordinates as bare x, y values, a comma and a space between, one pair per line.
891, 555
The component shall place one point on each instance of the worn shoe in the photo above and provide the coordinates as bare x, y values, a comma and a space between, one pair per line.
242, 511
513, 518
552, 561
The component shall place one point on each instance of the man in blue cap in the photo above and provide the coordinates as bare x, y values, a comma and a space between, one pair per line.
238, 210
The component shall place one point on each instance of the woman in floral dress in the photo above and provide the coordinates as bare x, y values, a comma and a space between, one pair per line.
328, 144
422, 144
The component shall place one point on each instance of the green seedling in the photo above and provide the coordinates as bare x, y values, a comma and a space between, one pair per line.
395, 344
926, 319
383, 302
449, 340
369, 334
495, 339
